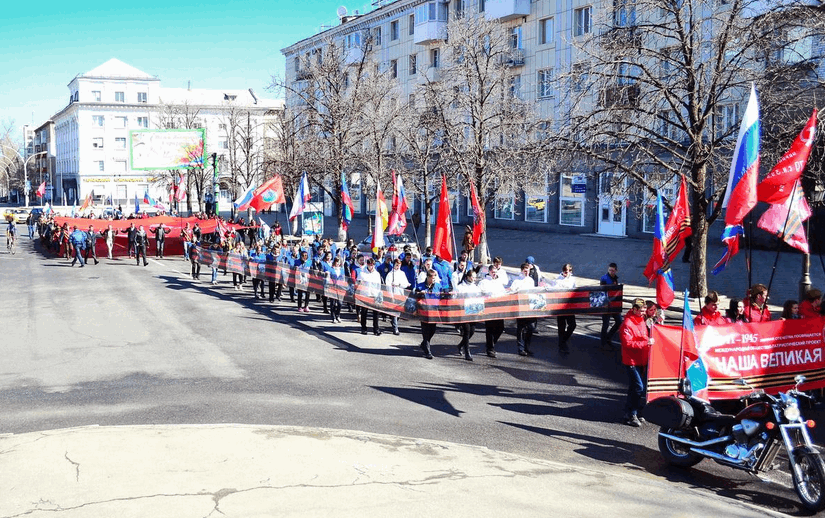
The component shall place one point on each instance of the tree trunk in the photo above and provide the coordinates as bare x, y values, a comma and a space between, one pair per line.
699, 254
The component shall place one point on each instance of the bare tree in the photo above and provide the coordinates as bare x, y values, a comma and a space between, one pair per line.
654, 89
488, 132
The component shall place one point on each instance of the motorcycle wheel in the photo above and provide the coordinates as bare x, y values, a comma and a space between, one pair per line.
674, 453
809, 478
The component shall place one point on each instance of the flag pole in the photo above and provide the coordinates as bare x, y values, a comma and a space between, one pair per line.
780, 237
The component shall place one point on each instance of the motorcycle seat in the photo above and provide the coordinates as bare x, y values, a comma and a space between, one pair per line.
705, 413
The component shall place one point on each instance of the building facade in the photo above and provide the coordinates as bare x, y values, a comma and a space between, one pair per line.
407, 38
91, 134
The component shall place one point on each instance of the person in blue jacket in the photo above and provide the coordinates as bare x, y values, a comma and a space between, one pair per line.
430, 287
303, 264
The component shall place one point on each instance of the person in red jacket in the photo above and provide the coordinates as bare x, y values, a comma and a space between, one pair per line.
809, 308
710, 315
635, 350
756, 310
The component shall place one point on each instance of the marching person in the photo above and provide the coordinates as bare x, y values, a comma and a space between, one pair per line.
611, 278
429, 287
78, 240
736, 311
756, 310
467, 287
186, 238
109, 237
635, 350
160, 232
336, 275
811, 305
790, 310
566, 323
141, 243
524, 326
397, 282
131, 232
91, 244
710, 315
371, 281
493, 329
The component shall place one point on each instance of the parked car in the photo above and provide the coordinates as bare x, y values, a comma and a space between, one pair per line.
18, 214
395, 244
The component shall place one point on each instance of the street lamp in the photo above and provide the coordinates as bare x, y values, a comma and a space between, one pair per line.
25, 171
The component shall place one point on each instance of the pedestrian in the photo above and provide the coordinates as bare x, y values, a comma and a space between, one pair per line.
30, 225
535, 272
467, 243
790, 310
566, 323
757, 307
216, 250
370, 281
91, 243
654, 316
131, 232
109, 237
186, 239
141, 244
635, 350
430, 287
710, 315
196, 265
336, 275
160, 232
302, 264
811, 304
493, 329
467, 288
611, 278
238, 278
397, 282
524, 326
736, 311
77, 240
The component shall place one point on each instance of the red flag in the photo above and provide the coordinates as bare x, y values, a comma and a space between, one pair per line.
664, 288
398, 220
443, 242
676, 231
268, 194
478, 215
785, 219
180, 189
778, 185
41, 191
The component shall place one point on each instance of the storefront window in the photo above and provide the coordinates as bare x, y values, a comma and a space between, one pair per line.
571, 199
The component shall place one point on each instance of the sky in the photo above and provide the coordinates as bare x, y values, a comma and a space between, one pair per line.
231, 44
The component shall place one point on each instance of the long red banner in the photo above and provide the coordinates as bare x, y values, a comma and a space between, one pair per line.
446, 307
767, 355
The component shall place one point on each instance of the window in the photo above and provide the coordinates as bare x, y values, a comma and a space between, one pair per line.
434, 58
727, 118
545, 83
535, 203
668, 190
222, 127
120, 97
411, 101
624, 13
141, 97
120, 122
120, 167
459, 8
120, 142
515, 85
100, 164
580, 77
571, 199
143, 122
97, 142
394, 30
481, 5
504, 206
346, 80
413, 64
668, 128
582, 21
97, 120
627, 74
546, 31
96, 95
394, 68
376, 36
297, 63
412, 24
796, 46
223, 144
432, 12
515, 38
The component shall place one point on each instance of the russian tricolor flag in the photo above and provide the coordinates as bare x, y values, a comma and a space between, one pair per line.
348, 210
740, 196
242, 203
301, 199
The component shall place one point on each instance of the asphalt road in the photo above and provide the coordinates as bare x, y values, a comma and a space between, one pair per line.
118, 344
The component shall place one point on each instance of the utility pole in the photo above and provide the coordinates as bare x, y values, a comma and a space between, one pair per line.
216, 185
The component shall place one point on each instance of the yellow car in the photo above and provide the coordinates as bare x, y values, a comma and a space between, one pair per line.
19, 215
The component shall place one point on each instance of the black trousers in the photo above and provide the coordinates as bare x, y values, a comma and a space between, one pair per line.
140, 251
90, 251
159, 244
467, 331
493, 330
607, 330
196, 270
303, 298
567, 324
364, 312
272, 291
524, 332
334, 309
427, 333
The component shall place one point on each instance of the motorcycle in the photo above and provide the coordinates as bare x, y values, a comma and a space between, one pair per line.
692, 430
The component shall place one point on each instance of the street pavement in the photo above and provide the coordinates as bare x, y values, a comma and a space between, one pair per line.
248, 470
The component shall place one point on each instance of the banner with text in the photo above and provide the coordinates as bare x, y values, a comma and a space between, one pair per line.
767, 355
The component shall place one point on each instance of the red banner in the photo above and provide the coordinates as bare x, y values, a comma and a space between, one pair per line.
767, 355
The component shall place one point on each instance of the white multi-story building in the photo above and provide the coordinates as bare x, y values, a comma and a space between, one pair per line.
407, 37
44, 164
91, 133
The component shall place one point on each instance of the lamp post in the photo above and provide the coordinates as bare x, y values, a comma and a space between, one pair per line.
25, 171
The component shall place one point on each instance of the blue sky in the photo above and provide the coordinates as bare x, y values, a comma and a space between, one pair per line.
230, 44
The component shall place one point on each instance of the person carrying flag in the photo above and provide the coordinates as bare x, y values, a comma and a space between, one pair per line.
710, 315
756, 310
635, 351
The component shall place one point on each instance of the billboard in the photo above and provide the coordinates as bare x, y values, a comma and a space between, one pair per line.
166, 149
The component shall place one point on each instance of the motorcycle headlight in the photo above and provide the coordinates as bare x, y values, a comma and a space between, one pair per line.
791, 412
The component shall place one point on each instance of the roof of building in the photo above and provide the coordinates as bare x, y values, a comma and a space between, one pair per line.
115, 68
216, 97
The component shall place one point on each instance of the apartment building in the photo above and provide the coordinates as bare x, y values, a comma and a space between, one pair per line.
546, 37
44, 164
91, 134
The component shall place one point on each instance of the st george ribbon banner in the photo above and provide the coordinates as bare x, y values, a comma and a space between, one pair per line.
437, 308
767, 355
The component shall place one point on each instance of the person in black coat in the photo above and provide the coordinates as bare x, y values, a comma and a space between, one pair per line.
91, 242
141, 243
160, 238
131, 232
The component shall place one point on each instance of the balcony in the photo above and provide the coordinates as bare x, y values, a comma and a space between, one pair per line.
354, 55
513, 58
621, 96
504, 10
430, 32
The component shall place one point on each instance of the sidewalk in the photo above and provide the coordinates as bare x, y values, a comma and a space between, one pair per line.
245, 471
